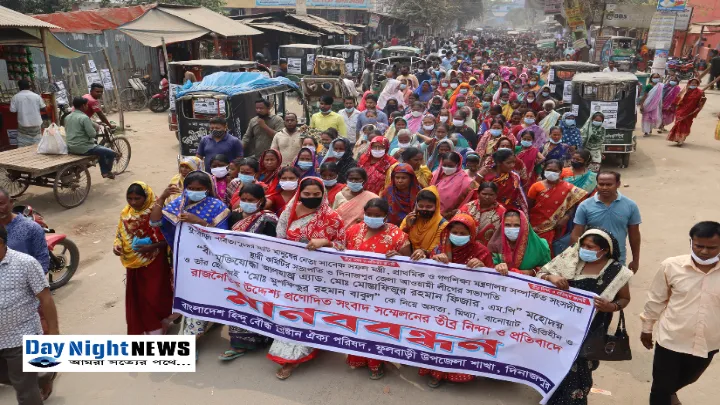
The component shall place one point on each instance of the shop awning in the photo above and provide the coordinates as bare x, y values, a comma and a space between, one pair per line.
20, 29
178, 23
267, 23
714, 23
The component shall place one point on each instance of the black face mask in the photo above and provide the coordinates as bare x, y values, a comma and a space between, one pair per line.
311, 202
577, 165
426, 214
218, 133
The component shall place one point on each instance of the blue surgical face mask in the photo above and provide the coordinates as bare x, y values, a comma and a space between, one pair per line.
495, 132
459, 240
463, 91
545, 93
374, 222
460, 104
692, 87
511, 233
529, 121
330, 183
486, 104
305, 165
526, 144
246, 178
570, 123
495, 82
655, 80
350, 110
195, 196
248, 207
354, 187
673, 83
532, 84
587, 255
597, 123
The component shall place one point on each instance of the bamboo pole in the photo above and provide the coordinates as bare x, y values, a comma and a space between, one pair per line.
116, 91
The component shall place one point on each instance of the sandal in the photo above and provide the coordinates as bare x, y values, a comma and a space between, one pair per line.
110, 176
434, 383
377, 375
285, 371
232, 354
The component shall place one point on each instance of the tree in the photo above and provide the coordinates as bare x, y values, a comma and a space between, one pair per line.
437, 13
36, 6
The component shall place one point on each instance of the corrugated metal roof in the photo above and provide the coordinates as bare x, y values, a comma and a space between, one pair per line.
13, 19
282, 27
94, 21
211, 21
321, 23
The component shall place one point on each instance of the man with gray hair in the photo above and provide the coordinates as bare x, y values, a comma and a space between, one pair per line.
548, 117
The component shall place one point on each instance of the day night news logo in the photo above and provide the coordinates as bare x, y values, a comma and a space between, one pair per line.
109, 353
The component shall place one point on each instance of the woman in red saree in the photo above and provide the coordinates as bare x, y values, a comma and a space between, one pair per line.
376, 163
270, 164
458, 245
690, 102
376, 235
308, 219
401, 194
510, 192
551, 202
329, 174
486, 211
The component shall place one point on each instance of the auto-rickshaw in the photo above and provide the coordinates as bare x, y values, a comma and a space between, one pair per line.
622, 51
399, 51
328, 79
201, 68
354, 56
300, 59
229, 95
612, 94
393, 63
560, 78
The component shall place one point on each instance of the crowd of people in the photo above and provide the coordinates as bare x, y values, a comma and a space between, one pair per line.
464, 160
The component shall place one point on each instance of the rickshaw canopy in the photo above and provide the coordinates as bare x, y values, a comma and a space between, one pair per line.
233, 83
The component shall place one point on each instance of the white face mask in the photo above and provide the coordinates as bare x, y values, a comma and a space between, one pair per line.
416, 114
458, 123
552, 176
219, 172
453, 85
443, 118
449, 170
702, 262
402, 145
428, 127
377, 153
288, 185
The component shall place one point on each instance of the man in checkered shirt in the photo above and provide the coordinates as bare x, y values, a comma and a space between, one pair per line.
22, 287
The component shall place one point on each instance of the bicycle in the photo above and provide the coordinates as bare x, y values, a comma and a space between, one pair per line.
119, 144
135, 97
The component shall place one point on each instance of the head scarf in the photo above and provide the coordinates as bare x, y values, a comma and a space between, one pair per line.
592, 132
269, 177
391, 90
136, 223
401, 202
530, 250
376, 171
451, 186
434, 160
511, 94
433, 109
423, 232
191, 162
571, 134
424, 96
325, 224
361, 106
472, 249
210, 208
456, 93
344, 162
312, 172
414, 123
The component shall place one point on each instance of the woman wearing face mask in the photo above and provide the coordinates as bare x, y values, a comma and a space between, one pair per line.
690, 102
554, 149
402, 141
247, 173
278, 197
391, 92
443, 147
552, 202
458, 245
534, 82
406, 89
570, 131
505, 89
424, 92
340, 154
392, 107
270, 164
516, 247
468, 136
376, 162
414, 157
305, 161
523, 93
436, 105
651, 104
671, 90
398, 123
470, 122
198, 205
544, 95
592, 265
424, 224
219, 170
486, 211
326, 138
349, 202
307, 219
415, 118
578, 174
185, 166
375, 234
309, 142
329, 174
529, 124
444, 117
401, 193
510, 192
493, 84
530, 157
452, 183
486, 144
461, 91
505, 143
255, 219
363, 143
454, 84
444, 88
485, 113
593, 139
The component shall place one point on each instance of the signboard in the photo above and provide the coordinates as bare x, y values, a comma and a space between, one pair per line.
91, 78
295, 65
309, 63
660, 61
661, 30
628, 16
423, 314
682, 19
374, 21
352, 4
671, 5
553, 6
173, 91
609, 110
209, 106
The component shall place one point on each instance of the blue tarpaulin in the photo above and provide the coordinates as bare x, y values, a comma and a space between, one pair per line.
232, 83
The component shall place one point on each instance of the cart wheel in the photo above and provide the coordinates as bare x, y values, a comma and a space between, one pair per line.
72, 185
14, 183
625, 160
121, 146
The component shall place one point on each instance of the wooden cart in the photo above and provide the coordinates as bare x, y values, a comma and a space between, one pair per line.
67, 175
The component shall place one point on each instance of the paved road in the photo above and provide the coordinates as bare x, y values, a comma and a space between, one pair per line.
674, 187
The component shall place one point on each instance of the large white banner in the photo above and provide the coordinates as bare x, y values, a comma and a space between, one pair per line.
424, 314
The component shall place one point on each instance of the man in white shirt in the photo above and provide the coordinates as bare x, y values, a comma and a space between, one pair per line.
611, 67
28, 106
683, 301
350, 114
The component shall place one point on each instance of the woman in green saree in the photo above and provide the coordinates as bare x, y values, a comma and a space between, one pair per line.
516, 247
578, 174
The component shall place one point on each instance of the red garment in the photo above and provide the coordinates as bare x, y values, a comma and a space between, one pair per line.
333, 192
148, 296
326, 224
278, 203
510, 193
401, 203
472, 250
528, 158
376, 171
488, 219
687, 103
93, 105
551, 205
270, 177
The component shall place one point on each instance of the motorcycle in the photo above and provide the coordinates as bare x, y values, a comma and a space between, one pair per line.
160, 102
683, 69
65, 260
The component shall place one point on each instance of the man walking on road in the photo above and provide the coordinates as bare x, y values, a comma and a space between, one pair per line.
28, 107
24, 287
683, 300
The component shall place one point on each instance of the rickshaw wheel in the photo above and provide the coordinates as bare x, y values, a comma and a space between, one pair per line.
14, 183
72, 185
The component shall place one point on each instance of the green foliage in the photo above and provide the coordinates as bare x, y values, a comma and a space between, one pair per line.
36, 6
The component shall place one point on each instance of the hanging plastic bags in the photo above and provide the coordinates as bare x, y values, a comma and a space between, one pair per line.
52, 142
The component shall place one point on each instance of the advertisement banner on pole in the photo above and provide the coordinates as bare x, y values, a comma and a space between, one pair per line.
661, 30
671, 5
628, 16
682, 19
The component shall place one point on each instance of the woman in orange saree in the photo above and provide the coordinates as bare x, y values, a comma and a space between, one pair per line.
690, 102
552, 201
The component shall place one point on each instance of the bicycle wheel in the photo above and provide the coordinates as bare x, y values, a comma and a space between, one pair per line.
127, 97
121, 146
140, 100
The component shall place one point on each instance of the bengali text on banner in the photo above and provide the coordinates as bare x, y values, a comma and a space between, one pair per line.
424, 314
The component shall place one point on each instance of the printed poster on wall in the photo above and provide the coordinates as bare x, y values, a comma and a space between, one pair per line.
61, 96
106, 79
609, 110
294, 65
209, 106
671, 5
310, 64
567, 91
91, 64
423, 314
91, 78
